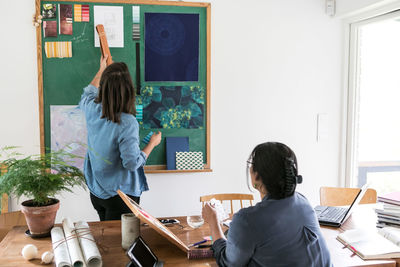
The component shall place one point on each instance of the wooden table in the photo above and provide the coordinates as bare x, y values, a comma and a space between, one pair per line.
108, 235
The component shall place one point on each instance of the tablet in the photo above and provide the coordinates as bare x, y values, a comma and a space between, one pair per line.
141, 255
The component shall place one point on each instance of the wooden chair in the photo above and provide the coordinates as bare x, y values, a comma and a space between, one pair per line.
343, 196
229, 197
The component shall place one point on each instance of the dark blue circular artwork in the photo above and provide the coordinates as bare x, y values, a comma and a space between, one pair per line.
171, 47
165, 34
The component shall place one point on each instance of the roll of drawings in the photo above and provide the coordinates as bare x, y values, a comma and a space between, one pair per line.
61, 254
90, 251
74, 248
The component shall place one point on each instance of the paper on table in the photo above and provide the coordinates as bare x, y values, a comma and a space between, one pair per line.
60, 248
90, 251
74, 249
112, 17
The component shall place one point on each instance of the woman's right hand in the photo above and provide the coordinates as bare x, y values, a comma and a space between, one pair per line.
155, 139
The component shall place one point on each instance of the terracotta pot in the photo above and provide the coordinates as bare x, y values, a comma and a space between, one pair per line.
40, 220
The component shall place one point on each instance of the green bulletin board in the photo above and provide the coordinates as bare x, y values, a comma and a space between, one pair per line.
61, 80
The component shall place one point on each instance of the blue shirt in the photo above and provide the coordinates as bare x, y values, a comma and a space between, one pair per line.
281, 232
113, 160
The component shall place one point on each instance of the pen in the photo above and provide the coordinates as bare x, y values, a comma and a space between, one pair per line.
197, 243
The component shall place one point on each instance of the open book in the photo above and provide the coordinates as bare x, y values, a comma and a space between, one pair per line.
381, 244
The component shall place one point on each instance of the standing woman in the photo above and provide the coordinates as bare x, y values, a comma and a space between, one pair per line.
113, 160
282, 229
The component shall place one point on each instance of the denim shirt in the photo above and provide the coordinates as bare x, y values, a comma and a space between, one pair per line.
113, 160
281, 232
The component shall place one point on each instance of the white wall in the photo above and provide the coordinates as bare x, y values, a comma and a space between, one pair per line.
347, 8
276, 64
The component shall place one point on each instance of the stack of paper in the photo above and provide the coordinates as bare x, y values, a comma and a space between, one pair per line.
389, 214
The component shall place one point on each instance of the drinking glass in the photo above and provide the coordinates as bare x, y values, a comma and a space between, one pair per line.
195, 221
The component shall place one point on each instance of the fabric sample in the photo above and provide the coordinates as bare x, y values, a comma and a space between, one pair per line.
65, 19
172, 106
189, 160
171, 47
58, 49
49, 28
146, 140
136, 14
78, 13
49, 11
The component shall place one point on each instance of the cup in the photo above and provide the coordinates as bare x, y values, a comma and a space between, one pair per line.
195, 221
130, 229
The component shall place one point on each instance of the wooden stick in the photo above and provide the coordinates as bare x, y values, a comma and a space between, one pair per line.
105, 50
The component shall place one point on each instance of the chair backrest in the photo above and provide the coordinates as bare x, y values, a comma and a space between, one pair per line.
9, 220
343, 196
4, 197
229, 197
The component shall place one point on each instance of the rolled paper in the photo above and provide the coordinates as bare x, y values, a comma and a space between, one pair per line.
74, 248
90, 251
60, 248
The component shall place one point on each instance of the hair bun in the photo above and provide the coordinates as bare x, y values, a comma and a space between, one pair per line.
299, 179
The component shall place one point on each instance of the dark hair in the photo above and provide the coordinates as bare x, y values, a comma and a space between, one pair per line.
276, 166
116, 92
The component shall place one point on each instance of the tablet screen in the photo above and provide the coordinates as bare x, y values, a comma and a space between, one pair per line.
141, 253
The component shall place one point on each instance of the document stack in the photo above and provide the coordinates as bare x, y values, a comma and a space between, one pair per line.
389, 213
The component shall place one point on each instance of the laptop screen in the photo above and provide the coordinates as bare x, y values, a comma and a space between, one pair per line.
356, 201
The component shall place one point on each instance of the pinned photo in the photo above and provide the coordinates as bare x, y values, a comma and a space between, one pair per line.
50, 28
49, 11
65, 19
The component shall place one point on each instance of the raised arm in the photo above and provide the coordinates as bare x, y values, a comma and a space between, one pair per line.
103, 66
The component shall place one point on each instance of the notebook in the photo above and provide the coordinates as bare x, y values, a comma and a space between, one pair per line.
173, 145
371, 244
392, 198
336, 216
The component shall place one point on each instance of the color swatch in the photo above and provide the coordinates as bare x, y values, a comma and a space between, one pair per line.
139, 112
136, 14
58, 49
136, 32
81, 13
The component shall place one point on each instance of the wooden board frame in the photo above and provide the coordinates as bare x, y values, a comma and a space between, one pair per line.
153, 222
151, 168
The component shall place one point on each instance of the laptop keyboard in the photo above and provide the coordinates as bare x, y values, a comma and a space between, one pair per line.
332, 214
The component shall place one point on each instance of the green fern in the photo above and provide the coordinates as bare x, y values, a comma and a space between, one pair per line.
39, 177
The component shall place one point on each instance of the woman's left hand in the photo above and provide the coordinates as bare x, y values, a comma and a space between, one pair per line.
209, 213
103, 63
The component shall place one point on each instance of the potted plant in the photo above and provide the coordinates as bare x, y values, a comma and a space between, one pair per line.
39, 177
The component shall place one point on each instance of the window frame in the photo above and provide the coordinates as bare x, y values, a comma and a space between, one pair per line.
350, 86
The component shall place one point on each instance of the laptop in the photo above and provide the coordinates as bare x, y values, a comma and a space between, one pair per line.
336, 216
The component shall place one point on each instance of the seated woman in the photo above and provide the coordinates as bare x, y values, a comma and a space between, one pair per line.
282, 229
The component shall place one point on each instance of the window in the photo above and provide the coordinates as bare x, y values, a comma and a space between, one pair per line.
373, 130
